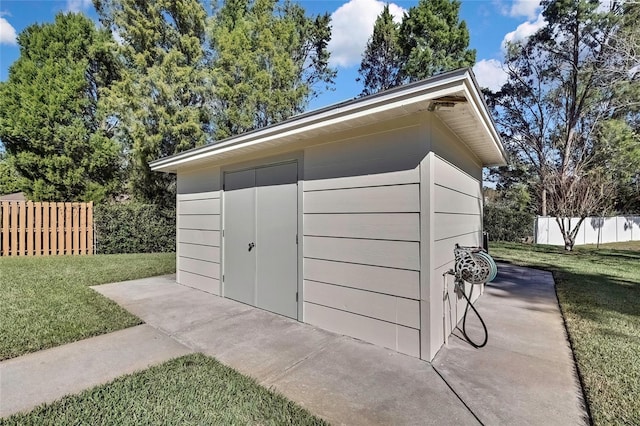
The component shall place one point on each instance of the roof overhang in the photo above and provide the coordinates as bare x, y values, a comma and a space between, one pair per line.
454, 97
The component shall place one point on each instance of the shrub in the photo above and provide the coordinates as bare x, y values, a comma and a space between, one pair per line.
134, 227
505, 224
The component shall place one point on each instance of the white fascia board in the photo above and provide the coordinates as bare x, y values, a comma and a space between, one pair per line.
400, 100
239, 143
473, 94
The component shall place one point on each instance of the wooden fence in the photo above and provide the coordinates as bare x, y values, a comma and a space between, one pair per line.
45, 229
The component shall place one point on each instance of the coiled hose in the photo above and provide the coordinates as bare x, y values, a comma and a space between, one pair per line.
464, 318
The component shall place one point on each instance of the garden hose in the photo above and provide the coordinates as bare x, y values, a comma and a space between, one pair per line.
493, 268
464, 318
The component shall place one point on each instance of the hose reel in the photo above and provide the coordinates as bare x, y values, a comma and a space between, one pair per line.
475, 266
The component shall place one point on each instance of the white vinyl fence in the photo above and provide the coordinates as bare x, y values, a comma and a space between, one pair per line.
592, 231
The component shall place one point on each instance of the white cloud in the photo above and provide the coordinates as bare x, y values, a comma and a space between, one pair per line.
527, 8
78, 5
490, 74
7, 32
352, 25
524, 30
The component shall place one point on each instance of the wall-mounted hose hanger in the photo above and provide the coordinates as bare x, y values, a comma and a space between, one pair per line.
475, 266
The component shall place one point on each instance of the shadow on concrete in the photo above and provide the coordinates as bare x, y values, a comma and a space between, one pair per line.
526, 373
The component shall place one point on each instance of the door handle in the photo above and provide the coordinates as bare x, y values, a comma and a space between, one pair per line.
251, 245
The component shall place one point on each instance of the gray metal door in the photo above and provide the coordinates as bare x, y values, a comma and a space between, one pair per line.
239, 236
260, 237
276, 229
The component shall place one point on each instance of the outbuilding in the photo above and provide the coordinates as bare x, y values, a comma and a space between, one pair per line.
345, 217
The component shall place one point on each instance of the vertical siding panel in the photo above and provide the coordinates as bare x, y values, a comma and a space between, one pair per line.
83, 229
90, 228
53, 228
5, 228
22, 234
38, 229
67, 228
75, 210
60, 228
14, 228
30, 228
46, 230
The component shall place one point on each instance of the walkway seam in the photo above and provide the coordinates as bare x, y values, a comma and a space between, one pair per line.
456, 394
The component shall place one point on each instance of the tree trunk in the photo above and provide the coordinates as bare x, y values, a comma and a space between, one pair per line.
568, 243
569, 239
544, 201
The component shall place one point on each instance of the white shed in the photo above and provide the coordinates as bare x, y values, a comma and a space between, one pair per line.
345, 217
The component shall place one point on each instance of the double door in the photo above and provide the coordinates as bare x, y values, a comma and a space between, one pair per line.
260, 237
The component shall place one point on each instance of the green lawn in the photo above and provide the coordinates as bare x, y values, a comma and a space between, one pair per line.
599, 292
191, 390
46, 302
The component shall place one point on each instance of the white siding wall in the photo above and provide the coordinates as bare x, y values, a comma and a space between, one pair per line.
198, 229
362, 237
455, 203
382, 209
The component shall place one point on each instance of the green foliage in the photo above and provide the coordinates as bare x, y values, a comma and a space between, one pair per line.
507, 224
46, 301
133, 227
190, 390
10, 180
514, 187
51, 119
268, 60
618, 155
161, 105
382, 60
434, 40
430, 40
181, 89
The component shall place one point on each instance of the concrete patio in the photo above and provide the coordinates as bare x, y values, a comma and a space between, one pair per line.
525, 374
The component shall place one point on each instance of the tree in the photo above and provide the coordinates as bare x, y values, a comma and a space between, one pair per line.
553, 112
162, 104
382, 60
268, 62
619, 136
10, 180
434, 40
51, 120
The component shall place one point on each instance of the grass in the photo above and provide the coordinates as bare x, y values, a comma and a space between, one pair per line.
46, 302
191, 390
599, 292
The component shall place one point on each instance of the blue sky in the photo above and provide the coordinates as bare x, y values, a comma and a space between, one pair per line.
490, 22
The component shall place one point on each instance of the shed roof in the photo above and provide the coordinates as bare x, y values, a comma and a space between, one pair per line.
454, 97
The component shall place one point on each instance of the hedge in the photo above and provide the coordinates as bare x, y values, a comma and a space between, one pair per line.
133, 227
505, 224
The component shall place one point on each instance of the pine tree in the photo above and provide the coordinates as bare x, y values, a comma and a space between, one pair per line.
269, 61
51, 118
434, 40
381, 64
162, 105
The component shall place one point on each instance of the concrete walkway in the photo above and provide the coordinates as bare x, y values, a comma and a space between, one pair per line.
45, 376
524, 375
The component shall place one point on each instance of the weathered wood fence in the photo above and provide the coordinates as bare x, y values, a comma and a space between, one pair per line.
45, 229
